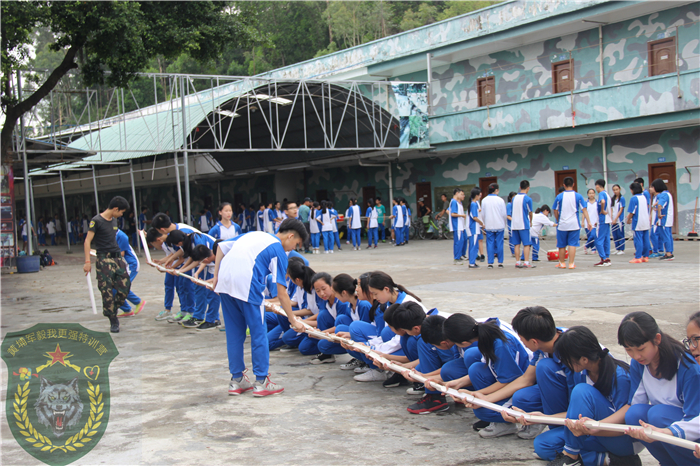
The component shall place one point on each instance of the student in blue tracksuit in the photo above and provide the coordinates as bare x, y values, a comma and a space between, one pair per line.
618, 205
566, 208
665, 215
378, 334
509, 212
239, 279
505, 359
304, 305
397, 226
143, 220
260, 218
206, 312
601, 393
544, 386
327, 228
132, 268
161, 222
329, 310
355, 224
225, 228
410, 317
406, 220
602, 241
334, 218
171, 282
475, 225
458, 223
645, 192
664, 392
315, 227
521, 219
345, 290
372, 224
638, 217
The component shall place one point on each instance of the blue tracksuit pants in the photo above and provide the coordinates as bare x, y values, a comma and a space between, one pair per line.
494, 245
661, 416
618, 234
641, 244
208, 302
589, 402
328, 240
602, 241
458, 238
239, 315
372, 236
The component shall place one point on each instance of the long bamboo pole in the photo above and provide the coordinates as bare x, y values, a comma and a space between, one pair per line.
477, 401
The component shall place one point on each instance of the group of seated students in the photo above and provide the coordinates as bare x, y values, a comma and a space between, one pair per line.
530, 365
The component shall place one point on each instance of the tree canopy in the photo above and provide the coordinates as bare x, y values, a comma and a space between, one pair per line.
108, 42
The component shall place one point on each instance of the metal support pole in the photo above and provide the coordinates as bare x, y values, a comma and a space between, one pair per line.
65, 211
218, 189
430, 77
391, 186
179, 188
94, 185
33, 217
605, 162
600, 52
133, 197
184, 152
27, 181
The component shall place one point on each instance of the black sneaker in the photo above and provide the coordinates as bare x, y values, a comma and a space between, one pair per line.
207, 326
417, 389
500, 266
114, 324
191, 323
667, 258
629, 460
396, 380
490, 266
482, 258
473, 266
478, 425
563, 460
430, 403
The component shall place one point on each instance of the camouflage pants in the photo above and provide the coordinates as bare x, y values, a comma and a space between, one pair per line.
112, 275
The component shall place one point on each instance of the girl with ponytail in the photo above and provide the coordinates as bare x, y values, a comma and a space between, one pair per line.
225, 228
501, 359
601, 393
664, 392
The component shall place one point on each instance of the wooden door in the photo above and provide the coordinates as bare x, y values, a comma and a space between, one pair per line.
667, 172
487, 91
559, 179
662, 56
484, 184
368, 192
321, 195
562, 76
425, 191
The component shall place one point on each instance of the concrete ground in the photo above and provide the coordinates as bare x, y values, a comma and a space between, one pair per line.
169, 385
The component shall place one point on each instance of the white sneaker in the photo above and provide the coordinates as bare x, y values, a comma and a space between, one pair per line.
331, 251
362, 369
239, 387
164, 314
326, 252
372, 375
531, 431
620, 253
498, 429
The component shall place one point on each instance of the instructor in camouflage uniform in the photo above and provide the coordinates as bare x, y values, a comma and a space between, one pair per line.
111, 268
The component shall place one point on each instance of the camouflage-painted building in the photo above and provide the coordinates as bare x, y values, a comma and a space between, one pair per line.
520, 90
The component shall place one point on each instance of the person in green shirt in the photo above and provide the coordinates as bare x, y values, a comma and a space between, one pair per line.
304, 212
381, 210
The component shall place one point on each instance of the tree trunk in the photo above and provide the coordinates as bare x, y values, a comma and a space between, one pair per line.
13, 113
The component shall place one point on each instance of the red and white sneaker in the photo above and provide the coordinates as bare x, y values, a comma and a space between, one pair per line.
599, 264
266, 387
238, 388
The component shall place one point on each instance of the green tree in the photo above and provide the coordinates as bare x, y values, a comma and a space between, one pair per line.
457, 8
109, 42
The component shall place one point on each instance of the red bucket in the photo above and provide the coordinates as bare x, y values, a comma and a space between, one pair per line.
553, 255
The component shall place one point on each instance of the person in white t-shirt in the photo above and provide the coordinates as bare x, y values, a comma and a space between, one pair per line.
51, 229
539, 221
567, 206
495, 217
592, 208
